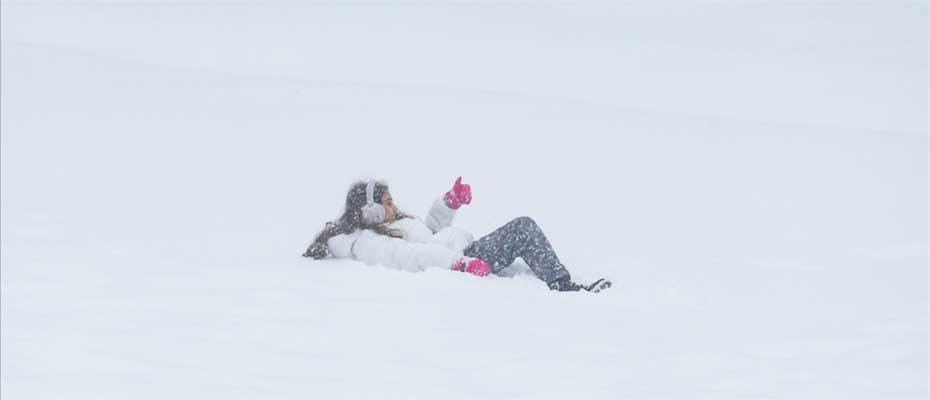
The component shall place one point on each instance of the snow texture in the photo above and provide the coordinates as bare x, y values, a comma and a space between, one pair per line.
752, 175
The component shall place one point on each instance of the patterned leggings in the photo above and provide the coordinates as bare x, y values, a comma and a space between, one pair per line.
519, 238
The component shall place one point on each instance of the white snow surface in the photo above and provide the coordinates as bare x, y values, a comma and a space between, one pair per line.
753, 175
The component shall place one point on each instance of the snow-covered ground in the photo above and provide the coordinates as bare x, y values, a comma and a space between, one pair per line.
753, 175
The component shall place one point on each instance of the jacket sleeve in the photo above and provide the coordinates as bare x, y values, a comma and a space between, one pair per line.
340, 246
454, 238
440, 216
372, 248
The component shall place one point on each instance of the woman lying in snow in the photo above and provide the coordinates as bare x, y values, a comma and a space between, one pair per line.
374, 231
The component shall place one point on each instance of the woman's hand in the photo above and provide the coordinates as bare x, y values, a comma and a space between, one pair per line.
473, 266
460, 194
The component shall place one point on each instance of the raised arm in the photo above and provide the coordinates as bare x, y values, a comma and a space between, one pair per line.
443, 210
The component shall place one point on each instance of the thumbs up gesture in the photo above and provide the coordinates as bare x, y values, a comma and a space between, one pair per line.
460, 194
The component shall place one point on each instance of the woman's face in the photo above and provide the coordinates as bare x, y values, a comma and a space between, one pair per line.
390, 210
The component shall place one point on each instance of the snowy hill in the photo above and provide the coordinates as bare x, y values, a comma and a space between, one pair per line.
753, 175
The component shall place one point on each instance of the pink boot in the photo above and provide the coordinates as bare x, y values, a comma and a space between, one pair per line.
472, 266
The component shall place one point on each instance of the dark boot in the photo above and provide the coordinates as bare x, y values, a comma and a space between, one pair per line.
598, 285
566, 285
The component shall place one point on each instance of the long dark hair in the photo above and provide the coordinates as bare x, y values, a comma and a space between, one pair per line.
351, 219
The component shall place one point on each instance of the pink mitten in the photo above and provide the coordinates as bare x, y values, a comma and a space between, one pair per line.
460, 194
472, 266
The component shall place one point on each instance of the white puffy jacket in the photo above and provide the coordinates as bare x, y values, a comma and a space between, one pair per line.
430, 243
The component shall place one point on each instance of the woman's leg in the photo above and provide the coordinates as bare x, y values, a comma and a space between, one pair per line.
519, 238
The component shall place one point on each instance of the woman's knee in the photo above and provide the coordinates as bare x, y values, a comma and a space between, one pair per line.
524, 222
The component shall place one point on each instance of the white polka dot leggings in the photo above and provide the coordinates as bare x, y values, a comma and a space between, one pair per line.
519, 238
